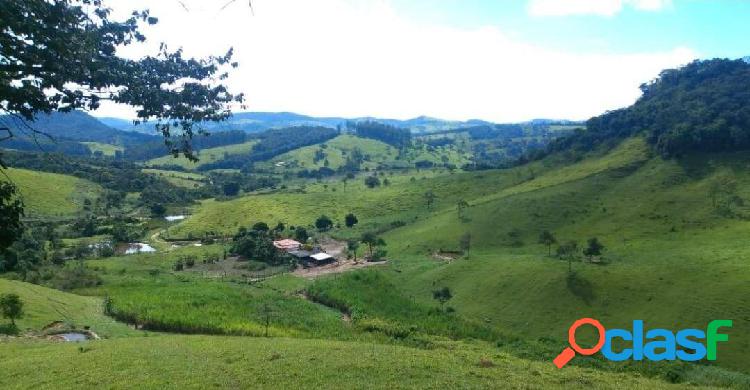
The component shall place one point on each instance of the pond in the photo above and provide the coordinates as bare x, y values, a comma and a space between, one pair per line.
172, 218
73, 337
139, 247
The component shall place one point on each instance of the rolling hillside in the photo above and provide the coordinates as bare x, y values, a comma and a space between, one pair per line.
659, 246
43, 306
206, 156
51, 194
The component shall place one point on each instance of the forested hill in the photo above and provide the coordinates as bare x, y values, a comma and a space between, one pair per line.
703, 106
75, 126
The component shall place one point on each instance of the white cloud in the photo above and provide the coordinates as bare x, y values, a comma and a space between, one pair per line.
592, 7
355, 58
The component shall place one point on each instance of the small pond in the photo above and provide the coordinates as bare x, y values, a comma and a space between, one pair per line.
73, 337
172, 218
139, 247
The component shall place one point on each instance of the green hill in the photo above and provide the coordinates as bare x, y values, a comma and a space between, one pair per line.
51, 194
206, 156
664, 236
43, 306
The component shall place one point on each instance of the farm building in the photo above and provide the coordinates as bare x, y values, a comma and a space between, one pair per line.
312, 259
287, 245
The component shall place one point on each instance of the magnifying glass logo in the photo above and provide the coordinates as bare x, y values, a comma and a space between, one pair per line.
569, 353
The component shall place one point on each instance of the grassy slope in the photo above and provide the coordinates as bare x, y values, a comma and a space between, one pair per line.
628, 199
43, 306
182, 179
376, 152
227, 362
206, 155
52, 194
106, 149
672, 260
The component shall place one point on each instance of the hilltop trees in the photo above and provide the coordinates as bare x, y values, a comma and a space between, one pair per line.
389, 134
11, 307
703, 106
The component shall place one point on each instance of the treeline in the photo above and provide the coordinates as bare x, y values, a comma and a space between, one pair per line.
273, 143
391, 135
703, 106
154, 149
42, 144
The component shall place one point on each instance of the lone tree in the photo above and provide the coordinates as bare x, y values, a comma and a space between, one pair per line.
442, 295
465, 243
372, 240
352, 246
372, 181
568, 251
323, 223
62, 55
350, 220
461, 205
11, 307
429, 197
547, 238
594, 248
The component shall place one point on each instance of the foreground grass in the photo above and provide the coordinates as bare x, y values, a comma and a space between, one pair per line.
52, 194
232, 362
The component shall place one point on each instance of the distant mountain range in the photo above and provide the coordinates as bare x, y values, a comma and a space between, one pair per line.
74, 126
253, 122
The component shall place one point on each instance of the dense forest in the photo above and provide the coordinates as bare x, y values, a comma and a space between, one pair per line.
703, 106
391, 135
157, 148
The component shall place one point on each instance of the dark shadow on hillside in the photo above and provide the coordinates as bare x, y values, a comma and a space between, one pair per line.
580, 287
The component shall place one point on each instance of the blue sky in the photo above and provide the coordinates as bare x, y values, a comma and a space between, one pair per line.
717, 28
502, 61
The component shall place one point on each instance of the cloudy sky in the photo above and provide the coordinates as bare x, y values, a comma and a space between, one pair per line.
455, 59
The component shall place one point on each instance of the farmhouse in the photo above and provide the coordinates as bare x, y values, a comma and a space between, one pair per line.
287, 245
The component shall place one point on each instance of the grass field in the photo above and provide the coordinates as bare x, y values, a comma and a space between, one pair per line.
240, 362
659, 246
51, 194
181, 179
106, 149
43, 306
206, 156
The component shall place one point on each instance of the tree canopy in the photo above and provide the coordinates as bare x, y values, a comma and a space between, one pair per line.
703, 106
61, 55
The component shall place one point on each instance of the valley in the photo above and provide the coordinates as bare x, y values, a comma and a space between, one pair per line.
461, 256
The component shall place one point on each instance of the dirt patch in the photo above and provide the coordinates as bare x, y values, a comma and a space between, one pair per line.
446, 255
337, 249
334, 268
